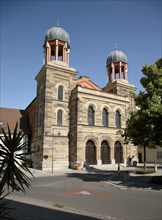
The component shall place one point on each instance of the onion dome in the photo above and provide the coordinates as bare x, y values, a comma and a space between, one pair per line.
59, 34
116, 56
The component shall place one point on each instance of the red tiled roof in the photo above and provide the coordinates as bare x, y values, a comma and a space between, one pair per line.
11, 116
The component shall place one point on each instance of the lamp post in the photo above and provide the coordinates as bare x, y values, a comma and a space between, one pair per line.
52, 147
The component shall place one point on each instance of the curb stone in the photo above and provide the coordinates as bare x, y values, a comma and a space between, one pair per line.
130, 185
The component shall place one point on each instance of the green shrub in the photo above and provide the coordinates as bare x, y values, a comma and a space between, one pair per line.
156, 179
145, 171
28, 164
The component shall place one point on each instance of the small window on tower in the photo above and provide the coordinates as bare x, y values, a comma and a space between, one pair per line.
60, 93
59, 118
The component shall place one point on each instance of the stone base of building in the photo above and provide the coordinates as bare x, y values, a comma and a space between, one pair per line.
55, 166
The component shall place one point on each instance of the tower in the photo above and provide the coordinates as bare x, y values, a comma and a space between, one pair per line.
57, 45
117, 67
54, 85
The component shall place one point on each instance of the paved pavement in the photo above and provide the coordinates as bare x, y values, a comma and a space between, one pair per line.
127, 178
133, 181
46, 211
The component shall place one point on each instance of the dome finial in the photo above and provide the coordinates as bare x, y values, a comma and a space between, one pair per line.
116, 46
57, 22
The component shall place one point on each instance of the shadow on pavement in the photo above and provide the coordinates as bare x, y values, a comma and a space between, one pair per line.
93, 175
125, 179
134, 181
23, 211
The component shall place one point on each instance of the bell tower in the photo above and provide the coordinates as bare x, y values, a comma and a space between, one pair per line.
54, 85
117, 66
57, 45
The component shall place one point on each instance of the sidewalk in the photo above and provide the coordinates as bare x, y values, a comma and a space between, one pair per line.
93, 168
33, 209
131, 180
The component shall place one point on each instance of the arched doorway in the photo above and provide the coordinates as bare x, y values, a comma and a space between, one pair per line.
118, 151
105, 152
90, 152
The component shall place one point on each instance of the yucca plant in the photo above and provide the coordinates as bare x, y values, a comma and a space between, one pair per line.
13, 165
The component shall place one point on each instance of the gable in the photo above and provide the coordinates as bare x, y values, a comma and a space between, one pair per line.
84, 81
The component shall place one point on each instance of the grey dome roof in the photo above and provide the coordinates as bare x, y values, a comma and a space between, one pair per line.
57, 33
116, 56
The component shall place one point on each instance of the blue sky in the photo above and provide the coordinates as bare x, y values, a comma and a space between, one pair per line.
94, 28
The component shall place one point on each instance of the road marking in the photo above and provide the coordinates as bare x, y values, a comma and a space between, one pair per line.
85, 192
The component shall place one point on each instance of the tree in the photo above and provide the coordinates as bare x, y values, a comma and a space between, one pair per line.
144, 127
13, 165
150, 101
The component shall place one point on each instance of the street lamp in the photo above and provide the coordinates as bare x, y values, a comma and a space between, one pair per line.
52, 147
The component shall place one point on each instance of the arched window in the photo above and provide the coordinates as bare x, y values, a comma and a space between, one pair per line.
60, 93
91, 114
59, 118
105, 118
118, 119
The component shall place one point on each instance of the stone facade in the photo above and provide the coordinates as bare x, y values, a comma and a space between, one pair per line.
53, 141
61, 146
81, 132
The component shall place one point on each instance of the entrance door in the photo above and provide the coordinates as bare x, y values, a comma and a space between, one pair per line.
90, 153
118, 152
105, 152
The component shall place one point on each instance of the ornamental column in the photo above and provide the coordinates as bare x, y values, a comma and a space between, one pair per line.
112, 72
56, 50
120, 65
48, 52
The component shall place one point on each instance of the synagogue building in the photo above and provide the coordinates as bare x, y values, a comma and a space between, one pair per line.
74, 120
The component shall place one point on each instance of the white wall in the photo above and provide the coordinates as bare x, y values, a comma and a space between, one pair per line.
152, 155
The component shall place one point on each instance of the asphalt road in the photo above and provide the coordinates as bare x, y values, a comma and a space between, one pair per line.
93, 194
